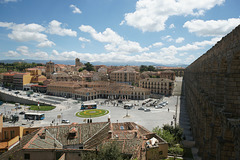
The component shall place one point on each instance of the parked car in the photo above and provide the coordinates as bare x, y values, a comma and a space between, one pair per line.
147, 110
157, 107
22, 112
163, 104
140, 108
65, 121
166, 102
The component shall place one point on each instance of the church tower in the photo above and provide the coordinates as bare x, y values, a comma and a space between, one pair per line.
77, 62
49, 69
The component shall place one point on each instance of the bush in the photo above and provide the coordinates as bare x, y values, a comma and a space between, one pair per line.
110, 151
165, 134
177, 132
176, 150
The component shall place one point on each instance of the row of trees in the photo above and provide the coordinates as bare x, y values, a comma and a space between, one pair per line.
144, 68
17, 66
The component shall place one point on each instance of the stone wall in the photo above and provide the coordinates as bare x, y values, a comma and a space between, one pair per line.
212, 90
13, 98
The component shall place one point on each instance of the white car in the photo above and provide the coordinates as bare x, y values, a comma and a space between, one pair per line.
147, 110
157, 107
65, 121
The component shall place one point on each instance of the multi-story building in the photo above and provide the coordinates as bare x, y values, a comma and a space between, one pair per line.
49, 69
1, 79
158, 85
93, 90
168, 74
102, 70
8, 79
125, 75
10, 136
21, 79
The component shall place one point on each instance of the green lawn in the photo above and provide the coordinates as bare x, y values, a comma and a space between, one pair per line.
41, 108
91, 113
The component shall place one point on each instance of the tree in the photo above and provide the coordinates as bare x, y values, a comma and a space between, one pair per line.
89, 67
110, 151
165, 134
143, 68
151, 68
80, 69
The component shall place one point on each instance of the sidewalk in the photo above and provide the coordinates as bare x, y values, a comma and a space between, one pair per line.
184, 123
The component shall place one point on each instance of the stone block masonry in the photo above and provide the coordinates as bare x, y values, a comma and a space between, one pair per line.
212, 90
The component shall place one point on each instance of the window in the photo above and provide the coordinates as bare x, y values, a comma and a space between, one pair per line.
12, 134
5, 134
27, 156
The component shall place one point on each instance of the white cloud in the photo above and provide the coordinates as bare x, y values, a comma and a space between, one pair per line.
28, 32
54, 27
25, 32
122, 22
40, 54
82, 45
212, 27
167, 38
23, 50
189, 59
115, 42
6, 1
157, 44
12, 54
75, 9
183, 54
166, 57
151, 15
83, 39
55, 53
179, 40
171, 26
46, 44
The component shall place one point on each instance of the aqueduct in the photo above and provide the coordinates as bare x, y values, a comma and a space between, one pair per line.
212, 92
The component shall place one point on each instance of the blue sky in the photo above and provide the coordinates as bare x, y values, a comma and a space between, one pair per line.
158, 31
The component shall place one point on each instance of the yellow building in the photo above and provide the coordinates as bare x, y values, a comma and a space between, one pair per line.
10, 136
34, 71
20, 79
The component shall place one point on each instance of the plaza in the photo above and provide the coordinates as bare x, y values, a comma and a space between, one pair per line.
68, 109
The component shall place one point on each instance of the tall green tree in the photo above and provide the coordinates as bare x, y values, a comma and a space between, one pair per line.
143, 68
151, 68
89, 67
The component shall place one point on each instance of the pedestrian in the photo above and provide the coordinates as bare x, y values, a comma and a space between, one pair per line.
168, 109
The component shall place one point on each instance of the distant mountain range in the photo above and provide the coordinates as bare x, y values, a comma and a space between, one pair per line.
72, 62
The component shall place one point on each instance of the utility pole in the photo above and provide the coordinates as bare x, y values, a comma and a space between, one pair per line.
175, 118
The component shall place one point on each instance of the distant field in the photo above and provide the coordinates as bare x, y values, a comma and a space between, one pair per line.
41, 108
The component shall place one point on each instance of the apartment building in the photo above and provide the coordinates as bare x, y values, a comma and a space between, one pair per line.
93, 90
126, 75
21, 79
158, 85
